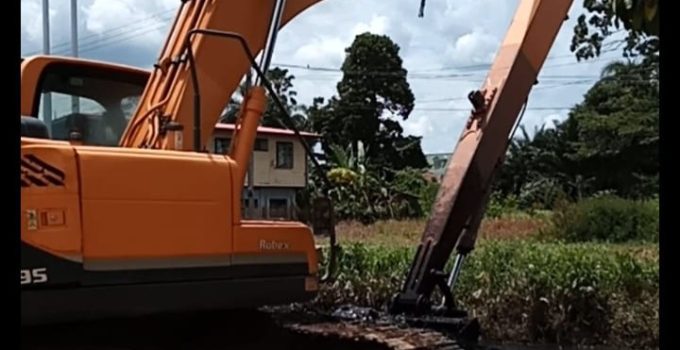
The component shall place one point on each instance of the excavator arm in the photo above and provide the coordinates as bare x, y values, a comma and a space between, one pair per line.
465, 188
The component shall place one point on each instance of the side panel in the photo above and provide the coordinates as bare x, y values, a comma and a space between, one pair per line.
139, 219
50, 221
150, 210
275, 242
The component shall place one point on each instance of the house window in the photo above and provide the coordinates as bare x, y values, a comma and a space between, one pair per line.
278, 208
284, 155
222, 145
262, 145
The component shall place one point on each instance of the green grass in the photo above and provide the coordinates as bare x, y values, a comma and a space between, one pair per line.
525, 290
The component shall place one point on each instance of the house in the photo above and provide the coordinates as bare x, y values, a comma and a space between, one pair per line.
279, 167
437, 162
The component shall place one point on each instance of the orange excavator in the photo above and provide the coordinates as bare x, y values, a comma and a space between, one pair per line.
125, 212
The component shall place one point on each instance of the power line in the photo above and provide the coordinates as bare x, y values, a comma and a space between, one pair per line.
113, 40
632, 74
476, 67
96, 38
450, 109
434, 109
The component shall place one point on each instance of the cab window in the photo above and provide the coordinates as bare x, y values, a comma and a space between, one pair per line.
92, 107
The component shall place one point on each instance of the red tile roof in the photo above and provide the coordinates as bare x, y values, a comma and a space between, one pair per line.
267, 130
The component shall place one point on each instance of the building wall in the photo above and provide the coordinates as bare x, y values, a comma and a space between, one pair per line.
438, 163
275, 186
267, 171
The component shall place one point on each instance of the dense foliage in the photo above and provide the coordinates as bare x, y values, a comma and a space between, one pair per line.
608, 143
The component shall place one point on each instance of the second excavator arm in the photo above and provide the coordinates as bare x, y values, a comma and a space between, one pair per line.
465, 188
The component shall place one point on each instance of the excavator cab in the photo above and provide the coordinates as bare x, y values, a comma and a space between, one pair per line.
78, 101
110, 231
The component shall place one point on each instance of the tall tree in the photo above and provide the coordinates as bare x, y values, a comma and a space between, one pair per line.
618, 125
639, 18
373, 96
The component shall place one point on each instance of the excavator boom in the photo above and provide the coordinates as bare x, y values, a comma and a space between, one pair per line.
218, 62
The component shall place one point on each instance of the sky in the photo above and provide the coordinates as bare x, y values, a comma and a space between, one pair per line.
447, 53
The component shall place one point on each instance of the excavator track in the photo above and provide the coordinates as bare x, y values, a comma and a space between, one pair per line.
244, 330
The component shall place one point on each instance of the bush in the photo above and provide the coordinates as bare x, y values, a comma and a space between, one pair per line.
500, 205
607, 218
428, 194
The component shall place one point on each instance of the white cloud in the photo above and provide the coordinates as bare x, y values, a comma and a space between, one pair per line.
321, 51
550, 119
474, 47
127, 21
418, 125
31, 23
377, 25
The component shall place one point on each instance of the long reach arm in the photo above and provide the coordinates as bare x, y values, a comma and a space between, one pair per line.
465, 188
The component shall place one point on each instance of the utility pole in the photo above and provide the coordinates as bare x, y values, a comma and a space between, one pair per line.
47, 98
75, 102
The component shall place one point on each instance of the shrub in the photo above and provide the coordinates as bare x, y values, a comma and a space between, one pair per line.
607, 218
500, 205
